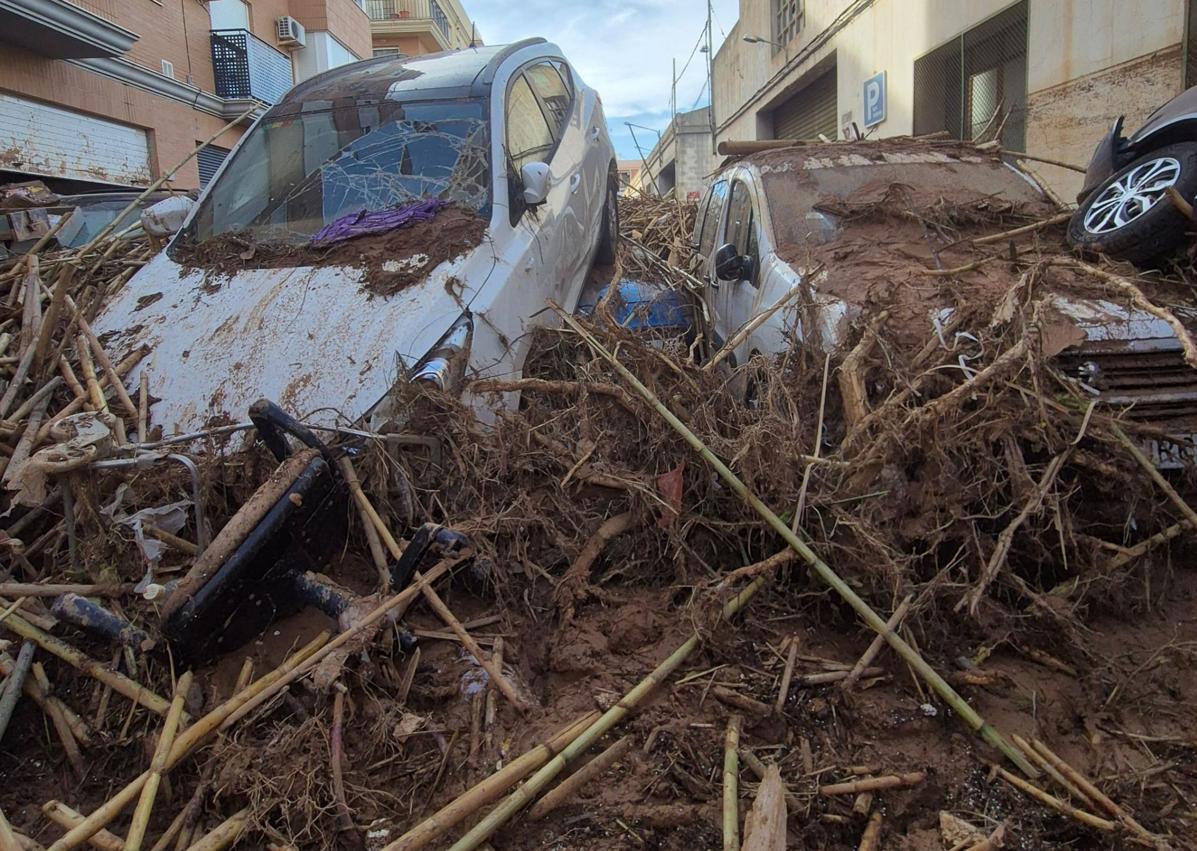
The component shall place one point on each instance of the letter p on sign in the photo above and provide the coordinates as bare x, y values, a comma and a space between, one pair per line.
874, 100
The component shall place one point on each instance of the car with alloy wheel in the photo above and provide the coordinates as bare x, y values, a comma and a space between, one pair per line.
1125, 210
390, 221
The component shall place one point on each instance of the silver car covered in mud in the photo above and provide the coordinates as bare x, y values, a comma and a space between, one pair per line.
391, 220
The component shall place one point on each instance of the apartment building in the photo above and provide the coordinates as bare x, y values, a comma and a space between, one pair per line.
114, 93
1047, 77
416, 27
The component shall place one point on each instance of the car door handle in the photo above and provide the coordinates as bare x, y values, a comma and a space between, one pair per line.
574, 182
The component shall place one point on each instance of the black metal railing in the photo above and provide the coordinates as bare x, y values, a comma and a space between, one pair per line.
400, 10
247, 67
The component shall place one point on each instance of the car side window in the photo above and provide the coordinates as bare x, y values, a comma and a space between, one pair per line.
529, 138
710, 222
741, 224
554, 94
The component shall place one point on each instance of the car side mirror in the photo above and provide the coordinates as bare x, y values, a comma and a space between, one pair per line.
729, 265
535, 178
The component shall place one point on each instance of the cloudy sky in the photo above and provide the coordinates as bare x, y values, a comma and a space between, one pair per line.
622, 48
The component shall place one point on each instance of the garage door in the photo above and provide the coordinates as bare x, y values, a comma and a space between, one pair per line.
809, 112
41, 139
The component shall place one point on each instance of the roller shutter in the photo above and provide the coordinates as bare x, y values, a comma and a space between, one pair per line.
209, 159
809, 112
36, 138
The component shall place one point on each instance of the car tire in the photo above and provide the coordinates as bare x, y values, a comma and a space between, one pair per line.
1115, 220
609, 237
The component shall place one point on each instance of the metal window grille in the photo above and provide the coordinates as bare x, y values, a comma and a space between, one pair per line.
788, 19
438, 16
247, 67
975, 86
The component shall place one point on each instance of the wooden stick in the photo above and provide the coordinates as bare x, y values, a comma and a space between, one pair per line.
837, 676
755, 322
39, 690
491, 699
488, 790
224, 834
430, 595
870, 840
94, 393
143, 405
116, 681
68, 375
187, 741
765, 826
1019, 155
875, 646
1054, 802
8, 840
183, 819
14, 684
336, 756
1050, 770
573, 784
873, 784
609, 719
1059, 218
145, 805
77, 404
1090, 791
846, 592
33, 589
731, 785
64, 816
760, 770
733, 698
42, 696
784, 691
62, 284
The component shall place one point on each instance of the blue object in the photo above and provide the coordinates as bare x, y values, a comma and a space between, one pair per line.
641, 306
874, 100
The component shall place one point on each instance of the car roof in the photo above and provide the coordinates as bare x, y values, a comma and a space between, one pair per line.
452, 74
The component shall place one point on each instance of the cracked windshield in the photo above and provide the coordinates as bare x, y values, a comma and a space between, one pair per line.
300, 179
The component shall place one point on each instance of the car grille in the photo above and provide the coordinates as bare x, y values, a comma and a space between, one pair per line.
1157, 387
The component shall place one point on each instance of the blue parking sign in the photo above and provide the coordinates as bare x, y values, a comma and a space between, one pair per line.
874, 100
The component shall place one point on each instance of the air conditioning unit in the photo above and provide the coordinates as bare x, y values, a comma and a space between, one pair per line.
291, 32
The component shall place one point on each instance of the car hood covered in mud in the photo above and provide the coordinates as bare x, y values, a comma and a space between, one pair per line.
315, 339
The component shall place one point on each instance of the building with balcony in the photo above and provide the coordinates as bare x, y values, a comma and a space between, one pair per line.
1046, 77
97, 94
416, 27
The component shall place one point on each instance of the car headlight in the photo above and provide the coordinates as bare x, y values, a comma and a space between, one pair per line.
444, 365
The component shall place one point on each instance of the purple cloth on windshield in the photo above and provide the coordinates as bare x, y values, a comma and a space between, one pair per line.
364, 221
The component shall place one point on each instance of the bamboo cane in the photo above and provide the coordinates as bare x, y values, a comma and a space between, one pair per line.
118, 682
1090, 791
434, 600
14, 684
874, 648
336, 757
64, 816
573, 784
787, 676
731, 785
183, 819
42, 696
1055, 803
873, 784
870, 840
8, 840
32, 589
141, 815
66, 276
39, 690
481, 794
609, 719
185, 743
937, 683
1050, 770
491, 705
224, 834
760, 770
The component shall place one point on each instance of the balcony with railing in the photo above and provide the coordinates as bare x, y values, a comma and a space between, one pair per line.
412, 15
247, 67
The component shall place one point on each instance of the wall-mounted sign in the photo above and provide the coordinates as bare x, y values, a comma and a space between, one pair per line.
874, 100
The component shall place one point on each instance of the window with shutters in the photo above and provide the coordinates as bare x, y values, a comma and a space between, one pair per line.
788, 18
975, 86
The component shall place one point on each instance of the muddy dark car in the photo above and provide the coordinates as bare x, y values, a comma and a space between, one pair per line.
1124, 209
